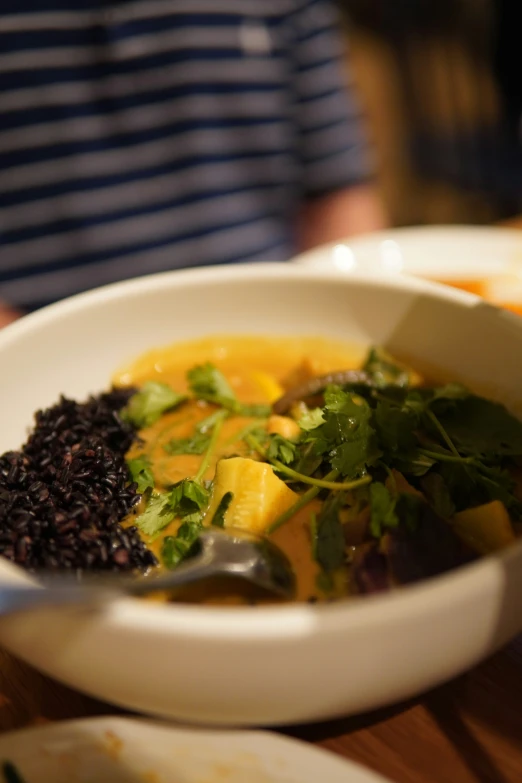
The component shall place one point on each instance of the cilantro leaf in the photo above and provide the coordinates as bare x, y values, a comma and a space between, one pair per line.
309, 458
474, 484
209, 422
281, 449
187, 497
383, 509
174, 549
338, 401
383, 370
150, 403
415, 464
329, 544
208, 383
218, 520
465, 484
395, 426
158, 514
346, 439
197, 444
141, 473
353, 457
348, 433
480, 427
311, 419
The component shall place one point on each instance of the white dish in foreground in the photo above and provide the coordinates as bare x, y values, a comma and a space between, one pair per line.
122, 750
265, 665
448, 253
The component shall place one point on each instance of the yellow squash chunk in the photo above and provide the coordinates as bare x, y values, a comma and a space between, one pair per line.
283, 425
485, 528
259, 497
271, 388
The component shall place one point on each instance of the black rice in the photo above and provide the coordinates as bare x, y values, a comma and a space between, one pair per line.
65, 493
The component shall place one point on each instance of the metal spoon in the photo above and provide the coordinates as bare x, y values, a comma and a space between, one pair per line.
234, 552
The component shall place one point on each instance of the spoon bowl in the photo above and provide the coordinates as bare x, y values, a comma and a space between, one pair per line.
233, 552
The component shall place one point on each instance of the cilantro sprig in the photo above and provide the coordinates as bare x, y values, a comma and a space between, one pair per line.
187, 500
208, 383
150, 403
197, 444
140, 470
453, 446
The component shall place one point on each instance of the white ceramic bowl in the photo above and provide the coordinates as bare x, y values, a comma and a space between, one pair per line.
265, 665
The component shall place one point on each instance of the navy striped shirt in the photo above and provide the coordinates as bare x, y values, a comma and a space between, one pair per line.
144, 135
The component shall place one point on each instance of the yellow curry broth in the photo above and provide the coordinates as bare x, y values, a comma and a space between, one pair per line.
240, 359
168, 469
258, 369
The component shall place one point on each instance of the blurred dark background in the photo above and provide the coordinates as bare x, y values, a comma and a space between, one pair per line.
441, 84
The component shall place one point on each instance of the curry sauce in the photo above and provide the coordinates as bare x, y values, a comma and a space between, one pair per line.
258, 369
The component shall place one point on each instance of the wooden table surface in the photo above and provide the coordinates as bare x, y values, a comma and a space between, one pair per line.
467, 731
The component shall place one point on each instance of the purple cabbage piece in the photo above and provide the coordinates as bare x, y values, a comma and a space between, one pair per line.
405, 555
371, 571
431, 549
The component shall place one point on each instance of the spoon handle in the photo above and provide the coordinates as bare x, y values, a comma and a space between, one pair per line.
65, 591
22, 599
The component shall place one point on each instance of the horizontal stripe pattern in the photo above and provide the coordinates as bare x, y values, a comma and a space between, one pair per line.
80, 18
153, 134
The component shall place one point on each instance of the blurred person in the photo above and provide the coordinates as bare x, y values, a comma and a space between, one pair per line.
138, 136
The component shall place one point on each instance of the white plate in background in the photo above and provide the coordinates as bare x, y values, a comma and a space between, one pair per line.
125, 750
443, 253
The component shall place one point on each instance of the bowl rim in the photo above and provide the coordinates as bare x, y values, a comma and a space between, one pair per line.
289, 620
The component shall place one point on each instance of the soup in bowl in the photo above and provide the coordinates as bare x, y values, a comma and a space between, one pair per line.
369, 429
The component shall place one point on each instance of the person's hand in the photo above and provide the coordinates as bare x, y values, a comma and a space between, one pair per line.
8, 314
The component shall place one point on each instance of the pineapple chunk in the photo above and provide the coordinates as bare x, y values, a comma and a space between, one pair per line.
485, 528
259, 497
268, 385
285, 426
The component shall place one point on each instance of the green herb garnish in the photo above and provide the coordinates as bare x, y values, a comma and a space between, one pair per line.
383, 509
329, 545
188, 497
212, 443
208, 383
174, 549
384, 370
141, 473
218, 520
282, 449
346, 439
311, 419
197, 444
150, 403
158, 514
